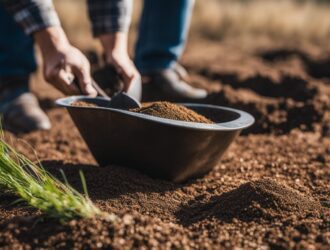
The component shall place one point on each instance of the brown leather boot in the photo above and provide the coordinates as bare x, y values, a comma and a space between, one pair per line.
20, 109
173, 83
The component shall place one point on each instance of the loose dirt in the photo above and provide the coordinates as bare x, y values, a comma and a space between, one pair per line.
83, 104
160, 109
171, 111
262, 199
271, 190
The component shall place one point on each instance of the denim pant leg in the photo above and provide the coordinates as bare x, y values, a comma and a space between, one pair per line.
162, 33
16, 48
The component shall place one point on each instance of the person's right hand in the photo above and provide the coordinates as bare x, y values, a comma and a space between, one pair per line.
64, 66
116, 54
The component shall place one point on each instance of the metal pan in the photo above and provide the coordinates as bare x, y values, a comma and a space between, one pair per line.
163, 148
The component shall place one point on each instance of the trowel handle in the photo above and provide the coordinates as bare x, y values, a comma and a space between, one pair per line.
99, 90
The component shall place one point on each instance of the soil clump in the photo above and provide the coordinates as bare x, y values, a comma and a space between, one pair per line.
172, 111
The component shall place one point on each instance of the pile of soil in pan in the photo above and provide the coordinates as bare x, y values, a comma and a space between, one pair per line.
171, 111
83, 104
160, 109
261, 199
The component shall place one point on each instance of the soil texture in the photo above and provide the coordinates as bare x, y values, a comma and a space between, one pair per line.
171, 111
83, 104
271, 190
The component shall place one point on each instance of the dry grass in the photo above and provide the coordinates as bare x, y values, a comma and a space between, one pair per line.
287, 20
278, 19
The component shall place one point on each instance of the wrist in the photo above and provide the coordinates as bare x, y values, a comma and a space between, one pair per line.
51, 39
114, 45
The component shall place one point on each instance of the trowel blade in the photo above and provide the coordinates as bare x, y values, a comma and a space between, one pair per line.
124, 101
135, 89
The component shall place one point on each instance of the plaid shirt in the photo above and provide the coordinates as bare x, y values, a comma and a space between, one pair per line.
107, 16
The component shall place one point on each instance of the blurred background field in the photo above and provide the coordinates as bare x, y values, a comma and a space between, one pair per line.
289, 22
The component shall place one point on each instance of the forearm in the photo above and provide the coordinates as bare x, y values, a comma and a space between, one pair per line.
50, 40
110, 16
114, 44
110, 22
32, 15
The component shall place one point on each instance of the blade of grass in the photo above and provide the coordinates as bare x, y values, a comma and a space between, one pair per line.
83, 182
39, 189
64, 177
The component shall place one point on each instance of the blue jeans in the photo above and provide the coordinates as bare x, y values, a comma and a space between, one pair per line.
16, 48
162, 33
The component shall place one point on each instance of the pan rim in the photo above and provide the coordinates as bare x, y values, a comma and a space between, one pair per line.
243, 121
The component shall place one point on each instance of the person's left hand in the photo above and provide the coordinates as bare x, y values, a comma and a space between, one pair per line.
124, 67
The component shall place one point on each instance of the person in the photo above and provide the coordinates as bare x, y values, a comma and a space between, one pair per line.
162, 34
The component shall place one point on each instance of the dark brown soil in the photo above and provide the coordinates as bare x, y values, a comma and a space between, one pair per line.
171, 111
261, 199
161, 109
271, 190
83, 104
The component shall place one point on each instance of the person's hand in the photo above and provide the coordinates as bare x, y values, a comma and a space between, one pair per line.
64, 66
124, 67
115, 46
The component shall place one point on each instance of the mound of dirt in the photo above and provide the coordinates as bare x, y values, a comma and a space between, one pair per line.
262, 200
265, 198
171, 111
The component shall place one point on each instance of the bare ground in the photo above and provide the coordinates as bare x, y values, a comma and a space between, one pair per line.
270, 190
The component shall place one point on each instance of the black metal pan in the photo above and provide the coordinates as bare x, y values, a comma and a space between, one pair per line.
163, 148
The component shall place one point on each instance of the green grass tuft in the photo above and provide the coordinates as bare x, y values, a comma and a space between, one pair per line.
34, 185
